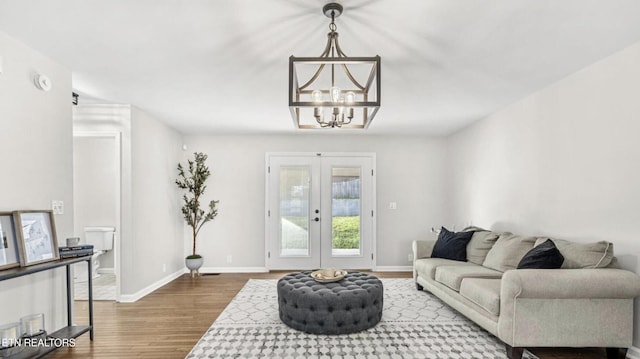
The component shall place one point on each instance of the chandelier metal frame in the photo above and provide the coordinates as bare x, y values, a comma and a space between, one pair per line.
349, 102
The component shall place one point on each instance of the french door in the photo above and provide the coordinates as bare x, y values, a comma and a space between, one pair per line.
320, 211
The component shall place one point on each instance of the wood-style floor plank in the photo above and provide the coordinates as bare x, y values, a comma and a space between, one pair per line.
169, 322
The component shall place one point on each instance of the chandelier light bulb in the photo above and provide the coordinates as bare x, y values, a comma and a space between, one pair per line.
316, 96
335, 93
350, 97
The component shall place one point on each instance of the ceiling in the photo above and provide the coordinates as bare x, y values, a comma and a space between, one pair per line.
221, 66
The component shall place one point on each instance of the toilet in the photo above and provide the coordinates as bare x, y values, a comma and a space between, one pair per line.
102, 239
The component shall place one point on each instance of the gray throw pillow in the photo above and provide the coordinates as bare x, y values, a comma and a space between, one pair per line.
481, 243
583, 255
508, 251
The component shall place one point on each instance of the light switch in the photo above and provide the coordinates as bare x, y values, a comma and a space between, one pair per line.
57, 207
393, 205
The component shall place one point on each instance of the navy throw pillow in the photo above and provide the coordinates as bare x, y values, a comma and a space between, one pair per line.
452, 245
543, 256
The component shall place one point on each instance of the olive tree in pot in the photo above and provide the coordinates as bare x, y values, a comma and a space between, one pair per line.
192, 179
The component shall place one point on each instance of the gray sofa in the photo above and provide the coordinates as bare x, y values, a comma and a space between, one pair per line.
588, 302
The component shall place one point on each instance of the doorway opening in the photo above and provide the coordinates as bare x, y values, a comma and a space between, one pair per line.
96, 192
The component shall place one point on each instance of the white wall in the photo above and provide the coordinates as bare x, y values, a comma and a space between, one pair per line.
35, 142
409, 172
157, 222
563, 162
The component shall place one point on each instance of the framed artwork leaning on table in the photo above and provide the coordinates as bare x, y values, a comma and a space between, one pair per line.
9, 253
36, 236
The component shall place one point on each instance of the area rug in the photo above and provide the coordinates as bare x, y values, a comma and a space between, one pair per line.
414, 324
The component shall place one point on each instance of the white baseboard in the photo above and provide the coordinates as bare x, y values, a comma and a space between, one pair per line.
633, 353
393, 268
205, 270
130, 298
106, 270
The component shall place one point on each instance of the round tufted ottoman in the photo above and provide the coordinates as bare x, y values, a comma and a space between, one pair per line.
347, 306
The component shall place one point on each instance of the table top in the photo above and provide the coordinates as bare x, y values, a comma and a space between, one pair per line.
352, 280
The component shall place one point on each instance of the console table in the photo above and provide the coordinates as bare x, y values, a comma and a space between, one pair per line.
70, 331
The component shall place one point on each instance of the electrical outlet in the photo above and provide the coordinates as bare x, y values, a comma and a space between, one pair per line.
410, 257
57, 207
164, 268
229, 258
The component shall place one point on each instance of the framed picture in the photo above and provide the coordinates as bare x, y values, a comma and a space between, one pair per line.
9, 256
36, 233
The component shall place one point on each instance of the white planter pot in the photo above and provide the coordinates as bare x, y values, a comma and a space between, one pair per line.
194, 265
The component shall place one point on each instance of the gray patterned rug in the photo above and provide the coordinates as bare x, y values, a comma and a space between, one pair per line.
414, 325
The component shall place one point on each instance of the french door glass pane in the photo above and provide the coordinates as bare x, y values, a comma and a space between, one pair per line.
294, 211
345, 211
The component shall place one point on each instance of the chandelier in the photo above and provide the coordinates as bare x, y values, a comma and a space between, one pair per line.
334, 90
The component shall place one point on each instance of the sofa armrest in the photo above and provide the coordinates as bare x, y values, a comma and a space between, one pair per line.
422, 248
567, 307
569, 283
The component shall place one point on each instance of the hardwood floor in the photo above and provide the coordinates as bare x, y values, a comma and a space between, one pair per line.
169, 322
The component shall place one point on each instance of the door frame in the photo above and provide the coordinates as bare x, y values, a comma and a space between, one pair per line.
371, 155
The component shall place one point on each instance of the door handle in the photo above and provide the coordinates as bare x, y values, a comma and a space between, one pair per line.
317, 219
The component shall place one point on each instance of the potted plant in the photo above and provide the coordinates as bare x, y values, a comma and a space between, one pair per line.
192, 179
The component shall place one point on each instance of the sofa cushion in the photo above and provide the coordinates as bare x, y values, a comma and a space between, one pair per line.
481, 243
483, 292
452, 276
426, 267
451, 245
583, 255
507, 252
542, 256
